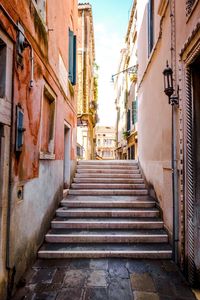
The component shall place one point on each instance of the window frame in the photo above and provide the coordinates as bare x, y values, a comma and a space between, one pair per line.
49, 94
151, 25
43, 16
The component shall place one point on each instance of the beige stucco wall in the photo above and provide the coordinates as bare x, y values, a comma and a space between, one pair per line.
154, 119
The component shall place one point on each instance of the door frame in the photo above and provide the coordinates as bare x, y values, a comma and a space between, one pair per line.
67, 155
189, 54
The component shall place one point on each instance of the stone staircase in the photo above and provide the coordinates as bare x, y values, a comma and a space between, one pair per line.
108, 213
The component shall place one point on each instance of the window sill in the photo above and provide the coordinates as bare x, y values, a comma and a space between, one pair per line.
46, 156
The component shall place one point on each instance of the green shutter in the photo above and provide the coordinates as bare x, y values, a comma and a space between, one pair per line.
74, 61
128, 120
134, 111
71, 60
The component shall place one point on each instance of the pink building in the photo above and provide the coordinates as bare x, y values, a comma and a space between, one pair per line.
38, 96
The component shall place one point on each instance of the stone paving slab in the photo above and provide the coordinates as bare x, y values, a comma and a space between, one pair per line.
104, 279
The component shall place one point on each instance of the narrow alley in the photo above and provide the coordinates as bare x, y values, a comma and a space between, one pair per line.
99, 150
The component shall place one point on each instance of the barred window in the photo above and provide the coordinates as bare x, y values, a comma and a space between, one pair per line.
189, 5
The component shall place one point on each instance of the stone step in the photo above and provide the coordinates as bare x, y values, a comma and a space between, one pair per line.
109, 171
106, 236
136, 251
108, 180
107, 223
107, 162
107, 186
108, 198
104, 213
108, 175
105, 204
101, 192
108, 166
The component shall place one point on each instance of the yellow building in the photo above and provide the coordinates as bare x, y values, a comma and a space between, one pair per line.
125, 85
87, 82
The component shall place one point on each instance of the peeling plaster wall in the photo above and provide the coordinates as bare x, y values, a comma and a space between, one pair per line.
41, 197
41, 181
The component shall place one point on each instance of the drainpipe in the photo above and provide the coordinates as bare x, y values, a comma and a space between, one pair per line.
174, 141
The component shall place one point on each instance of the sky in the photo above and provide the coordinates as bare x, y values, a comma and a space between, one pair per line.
110, 19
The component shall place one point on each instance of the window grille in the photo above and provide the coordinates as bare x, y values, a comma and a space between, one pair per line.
189, 5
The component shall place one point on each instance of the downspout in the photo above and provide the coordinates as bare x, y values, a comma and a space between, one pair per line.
11, 269
174, 140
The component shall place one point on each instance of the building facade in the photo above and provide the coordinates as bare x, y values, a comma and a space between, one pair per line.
125, 84
170, 31
38, 119
87, 81
105, 141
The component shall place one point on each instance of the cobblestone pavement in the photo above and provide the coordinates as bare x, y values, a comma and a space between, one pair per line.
102, 279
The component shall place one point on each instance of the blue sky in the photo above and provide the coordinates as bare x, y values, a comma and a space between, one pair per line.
110, 18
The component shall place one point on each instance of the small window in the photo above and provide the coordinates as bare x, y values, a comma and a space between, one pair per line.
48, 125
72, 57
128, 120
41, 5
189, 6
150, 26
134, 112
2, 69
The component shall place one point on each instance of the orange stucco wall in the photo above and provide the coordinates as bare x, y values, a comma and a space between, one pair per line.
41, 179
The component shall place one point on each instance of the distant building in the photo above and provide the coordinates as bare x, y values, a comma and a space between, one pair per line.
125, 84
38, 97
105, 142
87, 81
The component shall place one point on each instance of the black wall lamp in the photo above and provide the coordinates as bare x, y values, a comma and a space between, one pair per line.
174, 101
168, 85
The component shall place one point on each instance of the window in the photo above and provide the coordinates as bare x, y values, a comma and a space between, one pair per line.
48, 124
72, 57
2, 69
134, 112
150, 26
106, 154
128, 120
189, 6
41, 5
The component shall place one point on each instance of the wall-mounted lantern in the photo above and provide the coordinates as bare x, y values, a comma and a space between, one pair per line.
168, 85
174, 101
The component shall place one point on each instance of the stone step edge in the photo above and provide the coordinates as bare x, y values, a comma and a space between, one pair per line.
114, 202
109, 161
151, 254
106, 222
113, 192
107, 225
107, 239
107, 186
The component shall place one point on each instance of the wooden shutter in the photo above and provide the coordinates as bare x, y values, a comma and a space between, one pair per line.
128, 120
134, 112
71, 52
74, 61
150, 25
